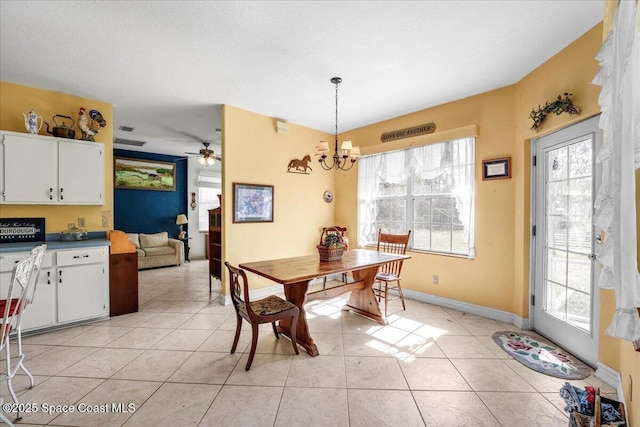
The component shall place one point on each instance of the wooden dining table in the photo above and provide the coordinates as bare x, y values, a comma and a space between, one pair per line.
295, 274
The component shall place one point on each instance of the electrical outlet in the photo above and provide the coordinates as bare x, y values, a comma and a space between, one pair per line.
81, 223
71, 225
105, 222
436, 279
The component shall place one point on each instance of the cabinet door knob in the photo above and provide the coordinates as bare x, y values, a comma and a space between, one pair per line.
48, 277
61, 194
59, 276
50, 193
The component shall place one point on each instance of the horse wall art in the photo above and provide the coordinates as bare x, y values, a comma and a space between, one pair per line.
300, 166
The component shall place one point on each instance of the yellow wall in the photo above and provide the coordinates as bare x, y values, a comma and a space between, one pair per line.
254, 153
17, 99
488, 279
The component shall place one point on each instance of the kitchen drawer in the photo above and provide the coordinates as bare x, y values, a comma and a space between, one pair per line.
8, 260
80, 256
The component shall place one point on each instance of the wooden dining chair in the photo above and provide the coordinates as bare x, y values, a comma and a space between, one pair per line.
334, 230
21, 293
266, 310
389, 273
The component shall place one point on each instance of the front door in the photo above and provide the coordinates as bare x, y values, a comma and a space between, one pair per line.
565, 299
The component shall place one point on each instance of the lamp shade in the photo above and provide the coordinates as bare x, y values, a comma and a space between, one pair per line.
182, 219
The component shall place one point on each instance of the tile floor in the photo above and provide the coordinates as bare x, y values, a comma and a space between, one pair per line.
430, 366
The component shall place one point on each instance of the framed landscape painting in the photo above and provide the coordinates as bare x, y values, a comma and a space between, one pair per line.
141, 174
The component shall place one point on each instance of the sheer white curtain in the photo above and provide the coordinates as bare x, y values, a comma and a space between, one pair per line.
463, 187
619, 100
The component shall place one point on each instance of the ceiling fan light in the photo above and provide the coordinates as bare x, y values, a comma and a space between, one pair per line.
202, 161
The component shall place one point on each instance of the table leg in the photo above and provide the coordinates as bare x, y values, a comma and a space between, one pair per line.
296, 293
364, 301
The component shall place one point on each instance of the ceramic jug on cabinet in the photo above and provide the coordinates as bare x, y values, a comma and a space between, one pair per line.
31, 122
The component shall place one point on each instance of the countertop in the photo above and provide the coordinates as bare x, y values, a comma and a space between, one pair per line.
96, 238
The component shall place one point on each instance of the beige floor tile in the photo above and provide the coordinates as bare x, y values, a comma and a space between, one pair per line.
102, 363
109, 404
556, 400
266, 369
131, 320
326, 324
183, 339
214, 307
404, 323
141, 338
205, 367
454, 409
187, 307
540, 382
494, 348
99, 336
374, 372
313, 407
320, 371
205, 321
414, 346
156, 306
29, 350
259, 407
166, 320
175, 405
366, 345
490, 375
483, 326
390, 334
355, 324
267, 341
462, 347
438, 327
20, 384
523, 409
432, 374
382, 408
56, 337
153, 365
53, 361
328, 344
56, 391
221, 341
426, 311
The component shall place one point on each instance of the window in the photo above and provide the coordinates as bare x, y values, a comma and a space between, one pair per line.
208, 189
428, 190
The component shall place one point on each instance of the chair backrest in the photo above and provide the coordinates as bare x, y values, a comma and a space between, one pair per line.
20, 287
239, 288
393, 244
39, 253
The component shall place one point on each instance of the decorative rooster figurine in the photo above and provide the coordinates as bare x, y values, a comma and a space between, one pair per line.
84, 126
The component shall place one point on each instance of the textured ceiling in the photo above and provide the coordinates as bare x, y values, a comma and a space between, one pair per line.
168, 66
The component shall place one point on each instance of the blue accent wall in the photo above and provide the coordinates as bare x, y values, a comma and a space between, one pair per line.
151, 211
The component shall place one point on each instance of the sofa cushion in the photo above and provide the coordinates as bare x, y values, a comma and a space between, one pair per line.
140, 252
154, 240
160, 250
133, 238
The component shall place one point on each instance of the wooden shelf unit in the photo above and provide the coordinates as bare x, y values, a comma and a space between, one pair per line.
215, 244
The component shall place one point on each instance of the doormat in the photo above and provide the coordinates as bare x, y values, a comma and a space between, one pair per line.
541, 356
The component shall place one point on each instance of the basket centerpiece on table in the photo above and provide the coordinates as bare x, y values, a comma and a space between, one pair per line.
332, 245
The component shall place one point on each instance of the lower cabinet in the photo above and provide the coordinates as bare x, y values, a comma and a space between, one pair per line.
73, 286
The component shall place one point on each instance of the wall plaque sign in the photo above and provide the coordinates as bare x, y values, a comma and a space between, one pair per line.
408, 132
14, 230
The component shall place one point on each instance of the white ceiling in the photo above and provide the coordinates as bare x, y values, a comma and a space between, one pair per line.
168, 66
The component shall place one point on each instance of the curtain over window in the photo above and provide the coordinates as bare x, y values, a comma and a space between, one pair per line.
428, 189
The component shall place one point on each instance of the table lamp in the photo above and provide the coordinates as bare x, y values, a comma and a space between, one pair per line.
181, 220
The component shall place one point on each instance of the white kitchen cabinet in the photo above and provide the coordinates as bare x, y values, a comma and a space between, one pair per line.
41, 312
82, 284
73, 286
44, 170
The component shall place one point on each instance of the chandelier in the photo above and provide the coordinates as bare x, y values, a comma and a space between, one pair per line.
344, 158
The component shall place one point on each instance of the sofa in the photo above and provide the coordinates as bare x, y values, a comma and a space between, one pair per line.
157, 250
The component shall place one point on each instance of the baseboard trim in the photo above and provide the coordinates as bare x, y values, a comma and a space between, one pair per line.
610, 377
478, 310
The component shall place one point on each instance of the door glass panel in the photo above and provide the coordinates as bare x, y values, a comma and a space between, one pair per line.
579, 272
557, 198
557, 232
556, 300
580, 159
557, 164
579, 309
557, 267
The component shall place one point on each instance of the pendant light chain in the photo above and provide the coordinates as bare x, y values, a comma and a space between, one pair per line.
337, 82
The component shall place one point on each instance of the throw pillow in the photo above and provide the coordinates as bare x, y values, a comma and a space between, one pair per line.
154, 240
133, 238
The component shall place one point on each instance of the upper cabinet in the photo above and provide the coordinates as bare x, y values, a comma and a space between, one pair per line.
44, 170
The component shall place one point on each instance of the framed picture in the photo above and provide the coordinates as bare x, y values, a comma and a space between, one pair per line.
252, 203
141, 174
496, 168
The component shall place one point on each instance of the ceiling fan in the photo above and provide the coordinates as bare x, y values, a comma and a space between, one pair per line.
207, 157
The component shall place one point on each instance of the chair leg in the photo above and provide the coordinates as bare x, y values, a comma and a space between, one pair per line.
9, 378
254, 344
386, 298
401, 296
21, 359
237, 337
294, 338
275, 330
5, 419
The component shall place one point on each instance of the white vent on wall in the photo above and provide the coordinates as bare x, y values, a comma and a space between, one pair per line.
128, 142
